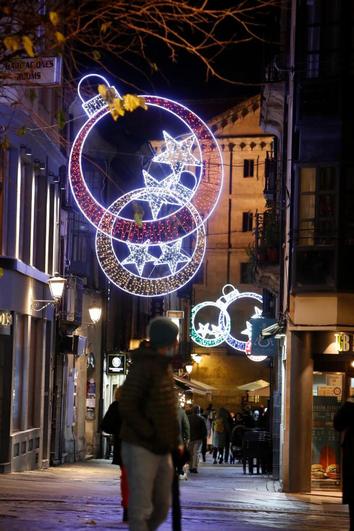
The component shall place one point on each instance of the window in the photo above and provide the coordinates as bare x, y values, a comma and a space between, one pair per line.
247, 221
246, 273
18, 379
34, 356
317, 206
248, 168
322, 35
2, 181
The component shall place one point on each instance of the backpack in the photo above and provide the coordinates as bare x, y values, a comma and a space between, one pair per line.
219, 425
111, 421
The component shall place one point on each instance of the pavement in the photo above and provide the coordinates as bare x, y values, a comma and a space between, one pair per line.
86, 496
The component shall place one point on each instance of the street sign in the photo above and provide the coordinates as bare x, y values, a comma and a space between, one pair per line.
36, 71
175, 314
5, 322
116, 363
262, 346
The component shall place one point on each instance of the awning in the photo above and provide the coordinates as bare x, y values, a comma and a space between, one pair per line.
203, 385
197, 388
254, 386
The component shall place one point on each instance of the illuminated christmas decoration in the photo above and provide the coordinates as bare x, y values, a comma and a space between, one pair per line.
138, 255
172, 256
212, 335
154, 254
177, 154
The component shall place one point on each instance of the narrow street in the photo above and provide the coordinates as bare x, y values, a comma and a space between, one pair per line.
86, 495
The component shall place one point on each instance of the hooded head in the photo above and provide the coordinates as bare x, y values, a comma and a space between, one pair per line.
163, 333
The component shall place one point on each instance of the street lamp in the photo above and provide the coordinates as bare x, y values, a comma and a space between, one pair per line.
95, 314
189, 368
56, 287
197, 358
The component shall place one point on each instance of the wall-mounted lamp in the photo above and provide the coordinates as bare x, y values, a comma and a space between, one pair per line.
56, 287
95, 314
189, 368
197, 358
42, 166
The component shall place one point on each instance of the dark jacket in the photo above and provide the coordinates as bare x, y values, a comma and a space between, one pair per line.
344, 422
148, 403
112, 423
183, 423
198, 427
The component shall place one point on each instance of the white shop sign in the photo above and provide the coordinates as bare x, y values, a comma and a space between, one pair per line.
32, 71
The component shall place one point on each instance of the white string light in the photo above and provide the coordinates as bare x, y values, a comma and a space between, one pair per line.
158, 255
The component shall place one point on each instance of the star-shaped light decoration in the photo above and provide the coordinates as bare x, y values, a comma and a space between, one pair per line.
203, 330
216, 331
138, 256
155, 194
177, 153
248, 330
172, 255
257, 313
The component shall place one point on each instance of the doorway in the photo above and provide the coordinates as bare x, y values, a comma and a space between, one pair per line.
333, 383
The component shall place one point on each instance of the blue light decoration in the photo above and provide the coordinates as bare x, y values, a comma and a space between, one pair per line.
160, 253
211, 335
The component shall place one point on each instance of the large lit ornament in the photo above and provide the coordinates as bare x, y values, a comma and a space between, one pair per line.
212, 335
161, 252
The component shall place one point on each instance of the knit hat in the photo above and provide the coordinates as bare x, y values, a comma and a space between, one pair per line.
162, 332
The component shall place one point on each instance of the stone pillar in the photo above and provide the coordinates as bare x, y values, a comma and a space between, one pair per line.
298, 414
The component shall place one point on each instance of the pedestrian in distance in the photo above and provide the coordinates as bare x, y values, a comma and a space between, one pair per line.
111, 423
219, 436
184, 433
150, 431
344, 422
198, 431
204, 415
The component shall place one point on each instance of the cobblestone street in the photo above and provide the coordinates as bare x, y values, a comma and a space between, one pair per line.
86, 495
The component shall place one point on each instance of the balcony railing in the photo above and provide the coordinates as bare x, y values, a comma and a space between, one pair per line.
267, 237
270, 175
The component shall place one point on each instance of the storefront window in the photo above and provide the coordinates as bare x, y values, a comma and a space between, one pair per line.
328, 389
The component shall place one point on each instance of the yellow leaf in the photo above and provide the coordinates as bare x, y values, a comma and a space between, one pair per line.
132, 102
96, 55
117, 105
59, 37
28, 45
102, 90
105, 26
142, 103
54, 18
12, 43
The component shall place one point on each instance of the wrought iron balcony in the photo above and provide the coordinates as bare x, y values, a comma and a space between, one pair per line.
267, 238
270, 176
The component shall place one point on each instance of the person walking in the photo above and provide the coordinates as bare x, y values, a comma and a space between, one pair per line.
219, 437
198, 431
344, 422
111, 423
184, 431
150, 429
204, 448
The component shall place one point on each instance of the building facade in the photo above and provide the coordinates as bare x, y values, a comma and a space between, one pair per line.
29, 253
312, 75
229, 257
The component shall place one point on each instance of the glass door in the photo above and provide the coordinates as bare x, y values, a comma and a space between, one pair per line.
328, 394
